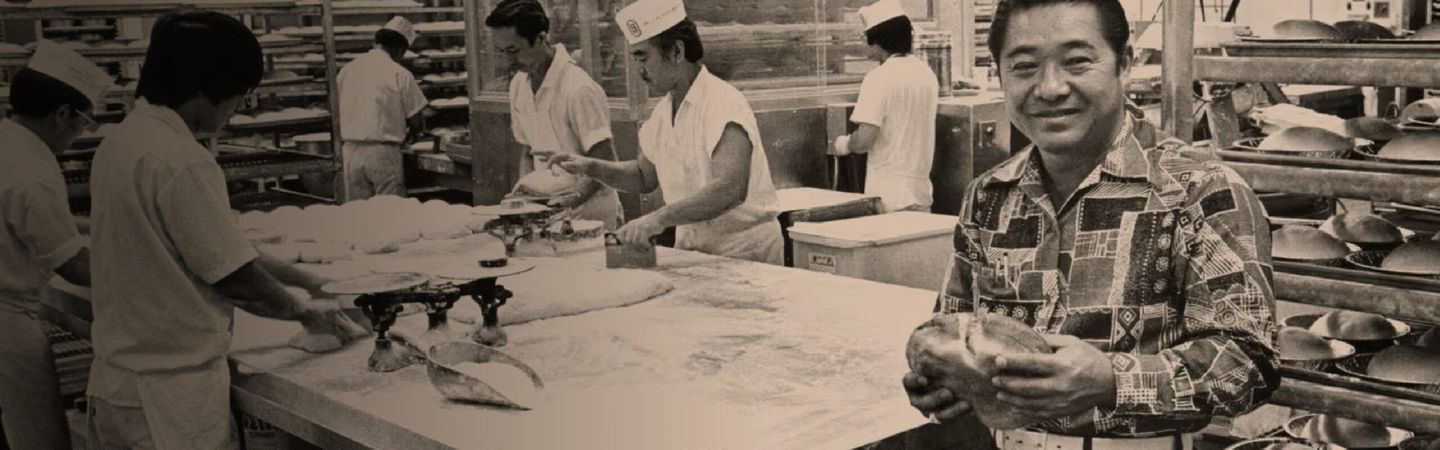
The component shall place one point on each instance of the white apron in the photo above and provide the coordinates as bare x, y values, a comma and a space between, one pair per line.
897, 191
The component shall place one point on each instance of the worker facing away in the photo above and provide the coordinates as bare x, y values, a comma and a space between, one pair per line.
52, 98
701, 147
555, 107
170, 263
379, 100
895, 114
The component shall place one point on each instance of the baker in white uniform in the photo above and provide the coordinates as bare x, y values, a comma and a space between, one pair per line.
895, 113
379, 98
701, 147
51, 99
170, 263
555, 107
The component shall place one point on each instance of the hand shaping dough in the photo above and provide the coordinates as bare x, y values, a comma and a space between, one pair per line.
308, 341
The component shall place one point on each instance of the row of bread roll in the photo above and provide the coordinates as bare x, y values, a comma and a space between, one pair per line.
449, 102
377, 225
279, 116
444, 76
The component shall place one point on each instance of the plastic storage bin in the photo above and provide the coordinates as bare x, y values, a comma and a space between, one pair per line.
905, 248
819, 205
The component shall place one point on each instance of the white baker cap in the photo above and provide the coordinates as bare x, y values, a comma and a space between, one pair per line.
404, 27
646, 18
64, 64
879, 12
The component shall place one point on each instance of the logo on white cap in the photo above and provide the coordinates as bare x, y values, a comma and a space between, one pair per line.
68, 67
646, 18
404, 27
879, 12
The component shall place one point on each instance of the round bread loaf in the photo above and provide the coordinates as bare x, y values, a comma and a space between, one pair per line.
1346, 433
958, 351
1362, 228
1302, 242
1305, 139
1354, 325
1421, 146
1300, 344
1420, 256
1309, 29
1406, 364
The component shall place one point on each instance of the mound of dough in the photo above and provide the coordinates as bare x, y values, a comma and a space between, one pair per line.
506, 379
308, 341
958, 351
287, 253
539, 296
546, 182
1406, 364
1301, 344
324, 253
1354, 325
1346, 433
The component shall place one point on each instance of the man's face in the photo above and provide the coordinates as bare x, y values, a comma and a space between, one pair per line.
220, 116
1062, 85
516, 51
656, 69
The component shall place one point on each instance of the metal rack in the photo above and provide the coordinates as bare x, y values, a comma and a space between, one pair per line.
1399, 297
256, 166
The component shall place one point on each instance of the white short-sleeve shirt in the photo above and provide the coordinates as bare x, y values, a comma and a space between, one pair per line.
377, 96
39, 234
682, 151
900, 97
163, 236
569, 111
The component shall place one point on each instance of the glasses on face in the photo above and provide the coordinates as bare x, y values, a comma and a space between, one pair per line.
511, 50
90, 124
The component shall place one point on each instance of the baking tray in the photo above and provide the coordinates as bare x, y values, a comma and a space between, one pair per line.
1408, 50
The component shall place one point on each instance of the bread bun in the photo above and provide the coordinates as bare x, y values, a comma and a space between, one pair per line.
1305, 139
1406, 364
1346, 433
958, 351
1420, 256
1302, 242
1309, 29
1419, 146
1300, 344
1363, 228
1354, 325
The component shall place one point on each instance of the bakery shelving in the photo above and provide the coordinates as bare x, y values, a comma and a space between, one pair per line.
130, 52
1412, 298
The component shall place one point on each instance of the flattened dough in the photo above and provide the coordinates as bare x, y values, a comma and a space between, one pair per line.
539, 296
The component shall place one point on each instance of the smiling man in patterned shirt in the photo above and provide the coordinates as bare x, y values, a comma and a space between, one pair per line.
1148, 271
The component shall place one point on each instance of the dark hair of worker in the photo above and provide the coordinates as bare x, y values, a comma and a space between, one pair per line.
35, 95
683, 32
392, 41
895, 36
199, 53
1116, 27
527, 17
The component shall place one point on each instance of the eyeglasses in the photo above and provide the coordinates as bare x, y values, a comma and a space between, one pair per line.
90, 124
511, 50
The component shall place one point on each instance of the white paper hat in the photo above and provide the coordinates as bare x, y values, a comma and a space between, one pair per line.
646, 18
879, 12
64, 64
404, 27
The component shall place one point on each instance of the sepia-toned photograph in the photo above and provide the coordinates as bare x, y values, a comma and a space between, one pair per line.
720, 224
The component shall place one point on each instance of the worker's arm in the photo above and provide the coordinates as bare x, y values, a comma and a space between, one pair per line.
730, 185
863, 139
587, 187
40, 217
625, 176
254, 290
288, 274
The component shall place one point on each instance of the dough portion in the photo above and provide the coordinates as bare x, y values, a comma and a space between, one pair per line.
558, 288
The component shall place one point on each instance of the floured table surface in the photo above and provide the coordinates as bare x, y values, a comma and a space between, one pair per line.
739, 355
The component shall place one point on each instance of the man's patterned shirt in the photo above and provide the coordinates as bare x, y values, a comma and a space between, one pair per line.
1160, 260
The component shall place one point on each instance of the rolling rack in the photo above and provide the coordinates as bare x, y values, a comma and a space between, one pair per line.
1408, 298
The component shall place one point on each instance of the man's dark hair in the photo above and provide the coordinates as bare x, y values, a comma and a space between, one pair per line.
896, 35
199, 53
683, 32
1113, 24
527, 17
35, 95
392, 41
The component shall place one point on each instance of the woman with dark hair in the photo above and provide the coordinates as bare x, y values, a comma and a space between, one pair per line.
170, 262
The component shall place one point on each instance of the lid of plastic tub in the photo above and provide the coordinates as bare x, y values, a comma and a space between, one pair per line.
873, 231
796, 199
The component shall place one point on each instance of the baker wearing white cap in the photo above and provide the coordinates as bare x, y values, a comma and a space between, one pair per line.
379, 98
51, 99
555, 107
895, 114
701, 147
